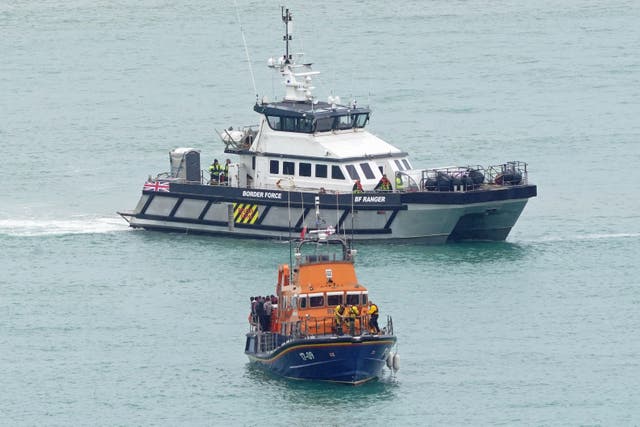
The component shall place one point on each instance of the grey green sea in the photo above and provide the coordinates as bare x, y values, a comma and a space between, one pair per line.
103, 325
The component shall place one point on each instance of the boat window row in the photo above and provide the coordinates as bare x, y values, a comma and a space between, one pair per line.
328, 299
402, 164
322, 124
276, 167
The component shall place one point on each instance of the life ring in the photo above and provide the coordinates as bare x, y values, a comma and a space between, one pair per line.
289, 184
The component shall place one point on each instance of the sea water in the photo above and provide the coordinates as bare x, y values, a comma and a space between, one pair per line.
104, 325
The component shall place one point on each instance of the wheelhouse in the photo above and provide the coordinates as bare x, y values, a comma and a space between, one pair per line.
310, 117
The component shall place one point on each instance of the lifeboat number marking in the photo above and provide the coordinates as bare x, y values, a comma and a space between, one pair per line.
244, 213
306, 356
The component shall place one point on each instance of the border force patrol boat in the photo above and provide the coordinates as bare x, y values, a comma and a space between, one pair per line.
305, 148
320, 329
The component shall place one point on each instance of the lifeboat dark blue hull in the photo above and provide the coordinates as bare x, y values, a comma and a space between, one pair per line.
346, 359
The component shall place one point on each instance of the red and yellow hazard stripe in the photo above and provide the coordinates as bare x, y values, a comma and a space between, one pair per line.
245, 213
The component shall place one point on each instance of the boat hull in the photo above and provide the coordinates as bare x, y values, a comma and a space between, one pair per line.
349, 360
430, 217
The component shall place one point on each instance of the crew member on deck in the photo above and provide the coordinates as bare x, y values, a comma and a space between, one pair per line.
214, 170
384, 184
353, 315
224, 175
373, 320
339, 312
399, 184
357, 187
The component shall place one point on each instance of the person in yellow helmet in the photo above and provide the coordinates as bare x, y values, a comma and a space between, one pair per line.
357, 187
373, 318
384, 184
352, 314
399, 183
215, 170
339, 313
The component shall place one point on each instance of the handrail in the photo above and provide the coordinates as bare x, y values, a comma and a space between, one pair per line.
311, 327
474, 177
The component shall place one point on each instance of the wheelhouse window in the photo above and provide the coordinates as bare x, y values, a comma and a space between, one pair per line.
406, 164
344, 122
321, 171
353, 173
305, 125
289, 124
274, 166
336, 173
365, 299
253, 162
399, 165
360, 120
367, 170
324, 124
288, 168
304, 169
316, 300
274, 122
303, 301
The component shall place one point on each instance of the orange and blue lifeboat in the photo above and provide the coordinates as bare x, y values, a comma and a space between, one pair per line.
307, 336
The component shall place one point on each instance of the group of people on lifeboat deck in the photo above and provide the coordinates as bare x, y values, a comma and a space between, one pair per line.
383, 185
218, 173
349, 313
261, 310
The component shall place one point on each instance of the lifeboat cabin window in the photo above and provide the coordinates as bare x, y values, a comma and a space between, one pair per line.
288, 168
304, 169
336, 173
274, 166
302, 301
316, 300
353, 298
334, 298
367, 170
321, 171
353, 173
365, 299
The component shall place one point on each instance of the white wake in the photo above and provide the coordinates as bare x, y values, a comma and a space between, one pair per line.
50, 227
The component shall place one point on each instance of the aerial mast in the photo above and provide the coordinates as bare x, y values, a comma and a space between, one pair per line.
286, 18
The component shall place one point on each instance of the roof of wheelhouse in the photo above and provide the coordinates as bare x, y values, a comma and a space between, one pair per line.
311, 110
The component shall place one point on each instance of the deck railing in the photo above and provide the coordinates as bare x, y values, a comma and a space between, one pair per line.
316, 327
473, 177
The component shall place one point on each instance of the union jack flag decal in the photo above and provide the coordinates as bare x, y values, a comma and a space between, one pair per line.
156, 186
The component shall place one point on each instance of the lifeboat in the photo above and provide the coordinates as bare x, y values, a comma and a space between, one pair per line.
317, 326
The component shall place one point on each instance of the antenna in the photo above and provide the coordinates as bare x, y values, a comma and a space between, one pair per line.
286, 18
246, 50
